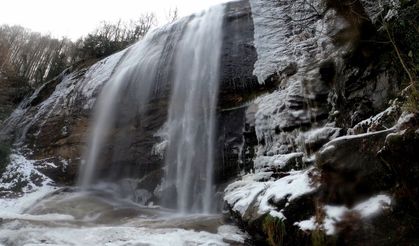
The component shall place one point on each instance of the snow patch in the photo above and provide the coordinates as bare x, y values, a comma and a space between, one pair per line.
307, 225
243, 194
22, 176
366, 209
232, 233
298, 183
277, 161
20, 204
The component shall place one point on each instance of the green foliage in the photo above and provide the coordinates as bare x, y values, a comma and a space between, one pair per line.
318, 238
274, 229
4, 156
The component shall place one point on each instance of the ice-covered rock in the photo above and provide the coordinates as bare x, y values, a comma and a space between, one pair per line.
253, 198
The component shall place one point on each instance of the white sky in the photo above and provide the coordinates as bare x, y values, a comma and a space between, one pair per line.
75, 18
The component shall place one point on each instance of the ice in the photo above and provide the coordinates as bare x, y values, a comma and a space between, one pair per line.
74, 89
97, 75
288, 32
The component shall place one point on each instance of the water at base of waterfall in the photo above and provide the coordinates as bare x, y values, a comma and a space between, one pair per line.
74, 217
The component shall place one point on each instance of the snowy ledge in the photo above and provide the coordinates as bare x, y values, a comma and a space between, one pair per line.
248, 194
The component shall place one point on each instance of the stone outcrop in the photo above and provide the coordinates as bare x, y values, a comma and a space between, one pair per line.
337, 112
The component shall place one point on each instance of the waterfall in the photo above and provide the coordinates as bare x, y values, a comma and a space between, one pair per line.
183, 57
134, 77
191, 123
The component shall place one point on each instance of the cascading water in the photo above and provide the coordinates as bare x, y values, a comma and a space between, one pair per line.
185, 56
136, 75
192, 112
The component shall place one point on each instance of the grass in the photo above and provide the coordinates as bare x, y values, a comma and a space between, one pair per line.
274, 229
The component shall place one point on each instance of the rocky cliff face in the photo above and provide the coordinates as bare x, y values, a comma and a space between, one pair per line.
311, 113
319, 175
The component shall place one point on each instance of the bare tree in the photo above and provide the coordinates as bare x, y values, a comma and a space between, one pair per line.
172, 15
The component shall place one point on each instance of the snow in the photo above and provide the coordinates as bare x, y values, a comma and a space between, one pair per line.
21, 175
373, 205
243, 194
43, 217
365, 209
326, 149
277, 214
368, 124
336, 214
20, 204
232, 233
348, 137
307, 225
109, 236
298, 183
277, 161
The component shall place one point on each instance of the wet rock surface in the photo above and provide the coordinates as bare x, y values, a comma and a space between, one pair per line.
340, 113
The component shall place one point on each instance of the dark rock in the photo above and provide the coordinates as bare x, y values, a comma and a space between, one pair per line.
350, 169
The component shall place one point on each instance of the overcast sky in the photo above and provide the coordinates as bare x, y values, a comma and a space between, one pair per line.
75, 18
